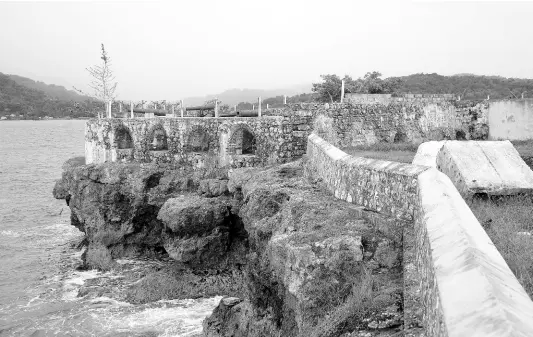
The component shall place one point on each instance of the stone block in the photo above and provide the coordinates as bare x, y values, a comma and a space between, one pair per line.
485, 167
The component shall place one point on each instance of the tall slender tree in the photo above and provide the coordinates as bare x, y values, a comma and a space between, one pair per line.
103, 82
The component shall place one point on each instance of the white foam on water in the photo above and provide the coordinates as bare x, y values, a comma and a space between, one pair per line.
178, 318
10, 233
110, 302
72, 284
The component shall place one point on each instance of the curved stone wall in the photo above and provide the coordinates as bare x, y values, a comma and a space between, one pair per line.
465, 285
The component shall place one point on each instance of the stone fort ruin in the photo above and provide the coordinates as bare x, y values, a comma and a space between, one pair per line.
456, 283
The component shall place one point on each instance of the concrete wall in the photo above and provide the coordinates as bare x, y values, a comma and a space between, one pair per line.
198, 141
511, 119
466, 287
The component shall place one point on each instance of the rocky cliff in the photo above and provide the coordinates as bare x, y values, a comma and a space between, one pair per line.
292, 259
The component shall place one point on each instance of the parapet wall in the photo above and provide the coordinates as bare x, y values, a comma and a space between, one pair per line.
235, 142
383, 186
466, 287
401, 119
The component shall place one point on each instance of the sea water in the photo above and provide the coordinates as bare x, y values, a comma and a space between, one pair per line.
39, 283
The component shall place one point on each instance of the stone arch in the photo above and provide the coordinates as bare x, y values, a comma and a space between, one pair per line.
400, 137
198, 140
157, 139
460, 135
123, 139
242, 141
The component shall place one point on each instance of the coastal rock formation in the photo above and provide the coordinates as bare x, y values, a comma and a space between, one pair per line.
315, 266
294, 260
201, 231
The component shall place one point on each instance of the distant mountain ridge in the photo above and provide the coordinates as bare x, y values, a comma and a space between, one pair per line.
53, 91
235, 96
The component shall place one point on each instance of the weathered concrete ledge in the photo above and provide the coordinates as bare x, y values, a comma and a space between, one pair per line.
466, 287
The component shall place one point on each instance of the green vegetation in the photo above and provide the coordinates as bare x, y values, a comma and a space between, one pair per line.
372, 298
51, 90
329, 90
467, 85
26, 103
509, 224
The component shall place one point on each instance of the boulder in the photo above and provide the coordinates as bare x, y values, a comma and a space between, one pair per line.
194, 215
213, 188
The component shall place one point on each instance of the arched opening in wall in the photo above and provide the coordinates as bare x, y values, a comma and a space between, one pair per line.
198, 140
242, 141
400, 137
158, 139
123, 139
460, 135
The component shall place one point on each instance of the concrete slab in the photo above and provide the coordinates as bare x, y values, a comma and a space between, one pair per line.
489, 167
426, 154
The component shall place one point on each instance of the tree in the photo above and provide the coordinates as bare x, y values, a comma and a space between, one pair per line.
330, 88
103, 82
372, 83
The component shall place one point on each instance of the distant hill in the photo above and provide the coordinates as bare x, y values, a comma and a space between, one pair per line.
469, 86
51, 90
235, 96
29, 103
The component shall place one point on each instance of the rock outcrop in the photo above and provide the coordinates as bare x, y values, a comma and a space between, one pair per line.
294, 260
315, 266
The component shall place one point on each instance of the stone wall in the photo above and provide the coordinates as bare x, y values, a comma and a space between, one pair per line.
511, 119
465, 285
402, 119
198, 141
384, 186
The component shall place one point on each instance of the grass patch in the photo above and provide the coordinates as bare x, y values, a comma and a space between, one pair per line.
509, 223
366, 302
405, 152
524, 147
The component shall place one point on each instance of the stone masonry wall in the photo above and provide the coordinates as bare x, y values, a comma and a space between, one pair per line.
197, 141
465, 286
400, 120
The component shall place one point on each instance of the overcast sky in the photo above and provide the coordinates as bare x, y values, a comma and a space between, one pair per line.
171, 50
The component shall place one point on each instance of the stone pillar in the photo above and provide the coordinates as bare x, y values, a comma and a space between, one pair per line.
131, 109
216, 107
259, 107
284, 99
253, 107
267, 106
182, 108
120, 107
109, 110
342, 91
